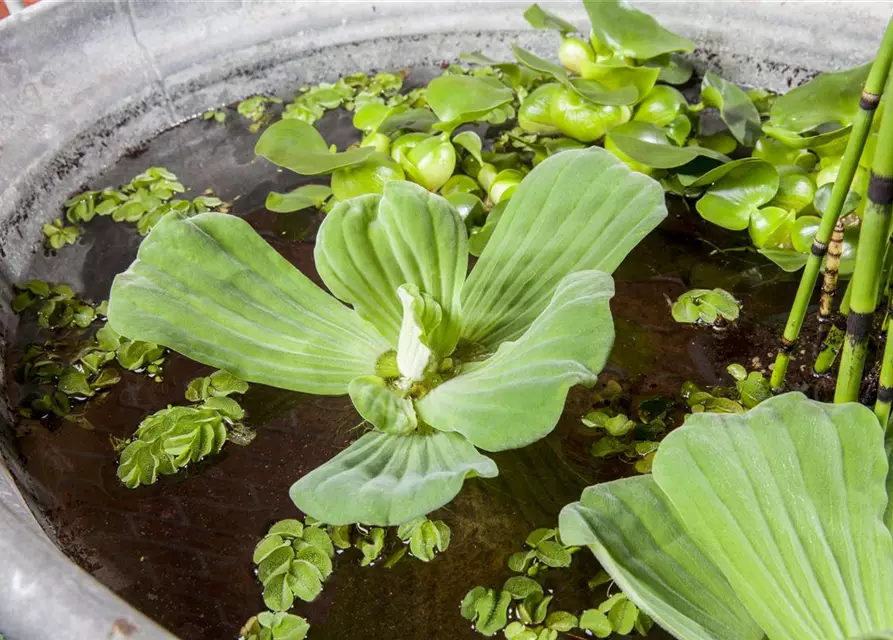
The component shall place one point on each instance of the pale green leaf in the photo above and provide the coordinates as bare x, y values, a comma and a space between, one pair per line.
631, 33
647, 144
787, 499
735, 107
214, 290
516, 396
631, 528
733, 198
298, 146
382, 406
829, 97
385, 480
577, 210
422, 316
310, 195
458, 99
370, 246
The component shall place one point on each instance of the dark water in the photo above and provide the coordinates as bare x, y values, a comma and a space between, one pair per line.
180, 550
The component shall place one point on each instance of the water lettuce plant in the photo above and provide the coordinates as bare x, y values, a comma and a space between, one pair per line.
440, 364
774, 522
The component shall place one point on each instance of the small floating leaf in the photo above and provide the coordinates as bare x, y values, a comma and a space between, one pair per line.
460, 99
733, 198
829, 97
298, 146
311, 195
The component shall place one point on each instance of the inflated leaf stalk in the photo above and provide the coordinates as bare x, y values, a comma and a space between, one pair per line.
439, 365
871, 95
867, 276
767, 522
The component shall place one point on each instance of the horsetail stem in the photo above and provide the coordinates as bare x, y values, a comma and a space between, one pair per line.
871, 96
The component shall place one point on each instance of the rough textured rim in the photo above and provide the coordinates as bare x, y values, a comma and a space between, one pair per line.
136, 68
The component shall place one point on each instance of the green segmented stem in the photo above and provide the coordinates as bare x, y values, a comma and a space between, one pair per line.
869, 261
871, 94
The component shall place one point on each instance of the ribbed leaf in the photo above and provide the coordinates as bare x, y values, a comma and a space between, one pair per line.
516, 396
369, 246
381, 406
578, 210
631, 528
214, 290
788, 500
386, 480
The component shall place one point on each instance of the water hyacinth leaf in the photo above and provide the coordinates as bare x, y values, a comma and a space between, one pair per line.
661, 106
735, 108
539, 18
366, 177
829, 97
674, 68
471, 142
391, 479
630, 527
381, 406
771, 227
616, 75
582, 120
460, 99
631, 33
796, 190
647, 144
516, 396
368, 247
577, 210
535, 113
731, 200
793, 140
310, 195
298, 146
212, 289
412, 120
787, 499
823, 195
590, 89
789, 260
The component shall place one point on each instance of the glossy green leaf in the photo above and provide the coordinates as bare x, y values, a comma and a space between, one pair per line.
787, 499
368, 247
796, 141
674, 68
578, 210
595, 621
796, 190
661, 106
366, 177
310, 195
212, 289
789, 260
735, 108
829, 97
535, 112
631, 33
391, 479
298, 146
647, 143
516, 396
771, 227
591, 90
634, 533
733, 198
539, 18
582, 120
459, 99
430, 162
616, 75
471, 142
412, 120
382, 406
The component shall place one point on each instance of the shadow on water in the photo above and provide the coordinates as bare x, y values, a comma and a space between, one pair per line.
181, 550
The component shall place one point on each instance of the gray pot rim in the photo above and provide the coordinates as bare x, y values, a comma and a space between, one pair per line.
83, 82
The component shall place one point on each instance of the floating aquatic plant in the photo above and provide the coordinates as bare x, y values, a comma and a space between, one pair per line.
770, 522
438, 364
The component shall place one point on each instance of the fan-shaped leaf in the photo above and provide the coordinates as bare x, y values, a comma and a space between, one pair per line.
370, 246
390, 479
578, 210
516, 396
214, 290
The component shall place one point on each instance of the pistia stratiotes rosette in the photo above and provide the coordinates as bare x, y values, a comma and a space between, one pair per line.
439, 364
771, 523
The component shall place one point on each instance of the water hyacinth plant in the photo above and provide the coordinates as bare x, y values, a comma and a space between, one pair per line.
439, 364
